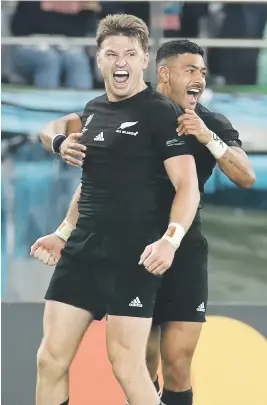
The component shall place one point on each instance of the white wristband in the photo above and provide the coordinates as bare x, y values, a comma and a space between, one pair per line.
64, 230
216, 146
174, 234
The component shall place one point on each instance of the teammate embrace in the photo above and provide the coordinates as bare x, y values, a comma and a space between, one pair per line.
131, 245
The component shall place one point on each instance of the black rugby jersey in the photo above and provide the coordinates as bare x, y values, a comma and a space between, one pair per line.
127, 143
205, 161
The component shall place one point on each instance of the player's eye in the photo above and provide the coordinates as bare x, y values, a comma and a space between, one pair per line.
131, 54
110, 54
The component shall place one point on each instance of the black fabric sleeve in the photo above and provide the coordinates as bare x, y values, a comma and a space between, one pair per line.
169, 144
226, 131
80, 114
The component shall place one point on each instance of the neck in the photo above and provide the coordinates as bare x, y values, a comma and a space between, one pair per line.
166, 90
114, 98
163, 89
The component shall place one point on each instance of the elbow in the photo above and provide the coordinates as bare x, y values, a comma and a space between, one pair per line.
192, 191
41, 137
197, 196
248, 181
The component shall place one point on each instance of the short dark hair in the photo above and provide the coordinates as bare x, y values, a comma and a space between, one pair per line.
175, 48
123, 24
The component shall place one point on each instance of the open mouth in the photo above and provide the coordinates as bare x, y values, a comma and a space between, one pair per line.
193, 94
121, 76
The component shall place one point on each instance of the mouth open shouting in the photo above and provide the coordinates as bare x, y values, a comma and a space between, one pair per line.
121, 78
194, 94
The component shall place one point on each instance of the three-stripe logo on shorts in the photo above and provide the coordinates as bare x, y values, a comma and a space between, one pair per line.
136, 303
201, 307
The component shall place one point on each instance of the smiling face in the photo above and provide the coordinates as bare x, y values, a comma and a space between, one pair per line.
184, 79
122, 61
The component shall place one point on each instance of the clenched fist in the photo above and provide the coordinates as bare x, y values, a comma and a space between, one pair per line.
48, 249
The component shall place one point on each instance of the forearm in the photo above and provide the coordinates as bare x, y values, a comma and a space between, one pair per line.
185, 204
236, 166
65, 125
69, 224
72, 213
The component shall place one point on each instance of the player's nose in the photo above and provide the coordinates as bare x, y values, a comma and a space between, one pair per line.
121, 62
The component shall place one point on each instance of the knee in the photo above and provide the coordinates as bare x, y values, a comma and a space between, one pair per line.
50, 362
176, 370
125, 363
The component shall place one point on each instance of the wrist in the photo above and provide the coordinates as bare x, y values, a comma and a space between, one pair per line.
216, 146
174, 234
64, 230
57, 141
207, 137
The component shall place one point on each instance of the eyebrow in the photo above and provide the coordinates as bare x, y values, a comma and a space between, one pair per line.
196, 67
127, 50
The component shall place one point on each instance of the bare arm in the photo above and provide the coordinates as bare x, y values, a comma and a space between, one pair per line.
48, 248
231, 159
72, 213
237, 167
158, 257
182, 173
68, 124
69, 224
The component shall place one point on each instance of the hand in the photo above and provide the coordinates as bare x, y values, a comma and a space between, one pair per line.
48, 249
158, 256
92, 5
70, 148
191, 124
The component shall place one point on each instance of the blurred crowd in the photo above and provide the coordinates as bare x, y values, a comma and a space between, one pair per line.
46, 66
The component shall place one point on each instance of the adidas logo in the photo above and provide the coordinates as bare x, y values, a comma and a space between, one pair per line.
136, 303
99, 137
201, 307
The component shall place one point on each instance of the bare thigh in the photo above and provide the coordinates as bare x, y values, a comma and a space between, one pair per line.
129, 334
64, 327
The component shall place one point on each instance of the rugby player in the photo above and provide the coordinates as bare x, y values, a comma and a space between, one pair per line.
128, 132
181, 302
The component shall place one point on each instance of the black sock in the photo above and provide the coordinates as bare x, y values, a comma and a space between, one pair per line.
156, 384
177, 398
65, 403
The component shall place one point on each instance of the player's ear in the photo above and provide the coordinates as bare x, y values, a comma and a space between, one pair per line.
163, 74
98, 59
146, 61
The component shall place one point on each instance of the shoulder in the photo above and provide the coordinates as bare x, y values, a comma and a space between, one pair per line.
200, 109
217, 120
96, 102
163, 106
212, 116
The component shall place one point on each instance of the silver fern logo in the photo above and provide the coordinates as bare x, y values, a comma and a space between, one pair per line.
124, 125
127, 124
87, 122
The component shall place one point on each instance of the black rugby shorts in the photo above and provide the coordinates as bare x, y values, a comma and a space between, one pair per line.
99, 272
